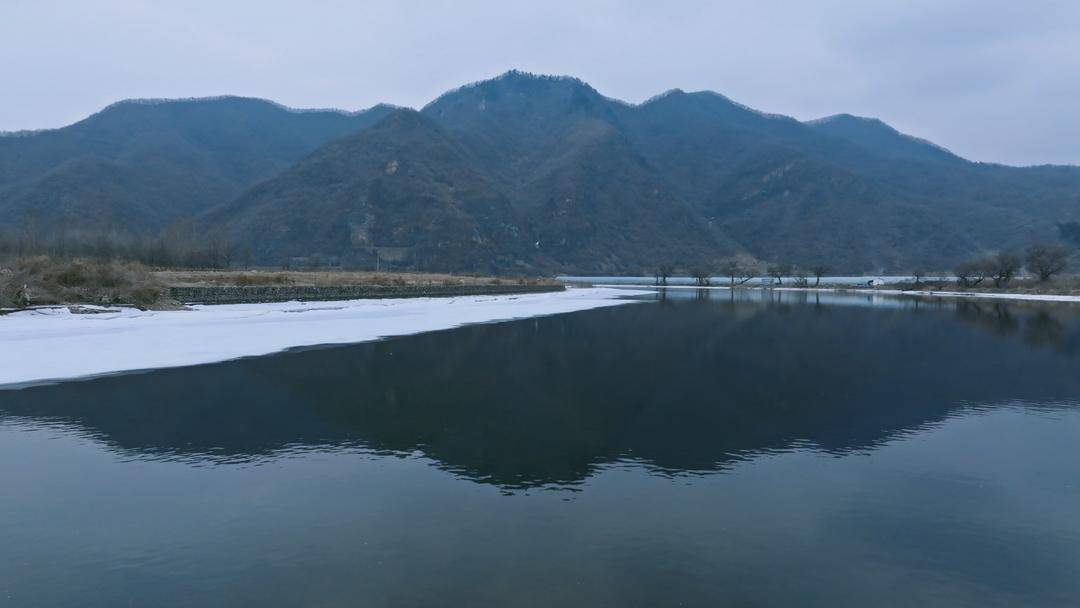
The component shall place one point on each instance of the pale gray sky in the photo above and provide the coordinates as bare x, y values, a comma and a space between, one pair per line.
992, 80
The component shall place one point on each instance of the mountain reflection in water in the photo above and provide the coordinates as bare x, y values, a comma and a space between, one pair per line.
686, 384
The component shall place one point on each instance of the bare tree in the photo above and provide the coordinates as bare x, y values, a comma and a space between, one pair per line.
918, 274
819, 271
663, 272
739, 270
802, 277
1003, 267
1046, 260
701, 275
972, 272
778, 271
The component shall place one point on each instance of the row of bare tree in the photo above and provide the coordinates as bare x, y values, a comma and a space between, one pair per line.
1042, 260
179, 245
741, 269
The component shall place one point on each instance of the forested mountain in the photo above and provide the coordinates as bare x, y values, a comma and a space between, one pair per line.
535, 174
138, 164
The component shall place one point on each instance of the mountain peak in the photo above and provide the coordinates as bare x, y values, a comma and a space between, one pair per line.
515, 84
523, 78
881, 137
661, 96
405, 118
844, 118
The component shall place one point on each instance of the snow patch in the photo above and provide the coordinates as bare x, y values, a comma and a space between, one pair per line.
53, 343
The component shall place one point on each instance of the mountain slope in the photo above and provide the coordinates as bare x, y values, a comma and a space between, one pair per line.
402, 188
589, 198
407, 189
138, 164
598, 185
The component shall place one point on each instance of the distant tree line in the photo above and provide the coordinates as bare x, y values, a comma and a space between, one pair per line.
741, 269
1044, 261
181, 244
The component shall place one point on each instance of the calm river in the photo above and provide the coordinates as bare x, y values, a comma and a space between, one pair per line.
706, 449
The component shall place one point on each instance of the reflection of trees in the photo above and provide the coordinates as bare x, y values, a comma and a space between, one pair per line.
684, 384
1042, 329
996, 317
1039, 324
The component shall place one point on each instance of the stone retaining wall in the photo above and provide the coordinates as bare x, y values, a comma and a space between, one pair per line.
218, 294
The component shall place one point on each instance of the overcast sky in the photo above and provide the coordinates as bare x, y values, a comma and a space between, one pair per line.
992, 80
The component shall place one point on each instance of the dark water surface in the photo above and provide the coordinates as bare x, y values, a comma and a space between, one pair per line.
704, 450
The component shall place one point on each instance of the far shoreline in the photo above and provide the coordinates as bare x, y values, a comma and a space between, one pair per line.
922, 293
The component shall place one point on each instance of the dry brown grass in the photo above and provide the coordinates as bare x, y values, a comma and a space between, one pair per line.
195, 278
42, 280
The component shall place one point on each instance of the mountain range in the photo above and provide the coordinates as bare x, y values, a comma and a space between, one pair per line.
530, 174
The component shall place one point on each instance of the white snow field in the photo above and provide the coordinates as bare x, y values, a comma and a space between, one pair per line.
54, 344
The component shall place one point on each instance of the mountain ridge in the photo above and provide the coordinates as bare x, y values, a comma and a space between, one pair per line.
537, 174
15, 133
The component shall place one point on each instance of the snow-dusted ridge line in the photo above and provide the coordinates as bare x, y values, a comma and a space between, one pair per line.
49, 345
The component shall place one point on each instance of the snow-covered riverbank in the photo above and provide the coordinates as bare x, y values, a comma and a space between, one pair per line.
54, 343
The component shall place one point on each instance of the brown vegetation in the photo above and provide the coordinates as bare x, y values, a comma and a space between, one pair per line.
45, 280
1060, 285
195, 278
42, 280
179, 244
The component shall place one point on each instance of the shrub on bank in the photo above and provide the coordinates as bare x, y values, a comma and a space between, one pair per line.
42, 280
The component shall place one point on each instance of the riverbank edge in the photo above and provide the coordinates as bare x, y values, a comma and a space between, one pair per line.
266, 294
1031, 297
256, 294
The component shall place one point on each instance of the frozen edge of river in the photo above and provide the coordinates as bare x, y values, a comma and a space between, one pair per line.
52, 344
